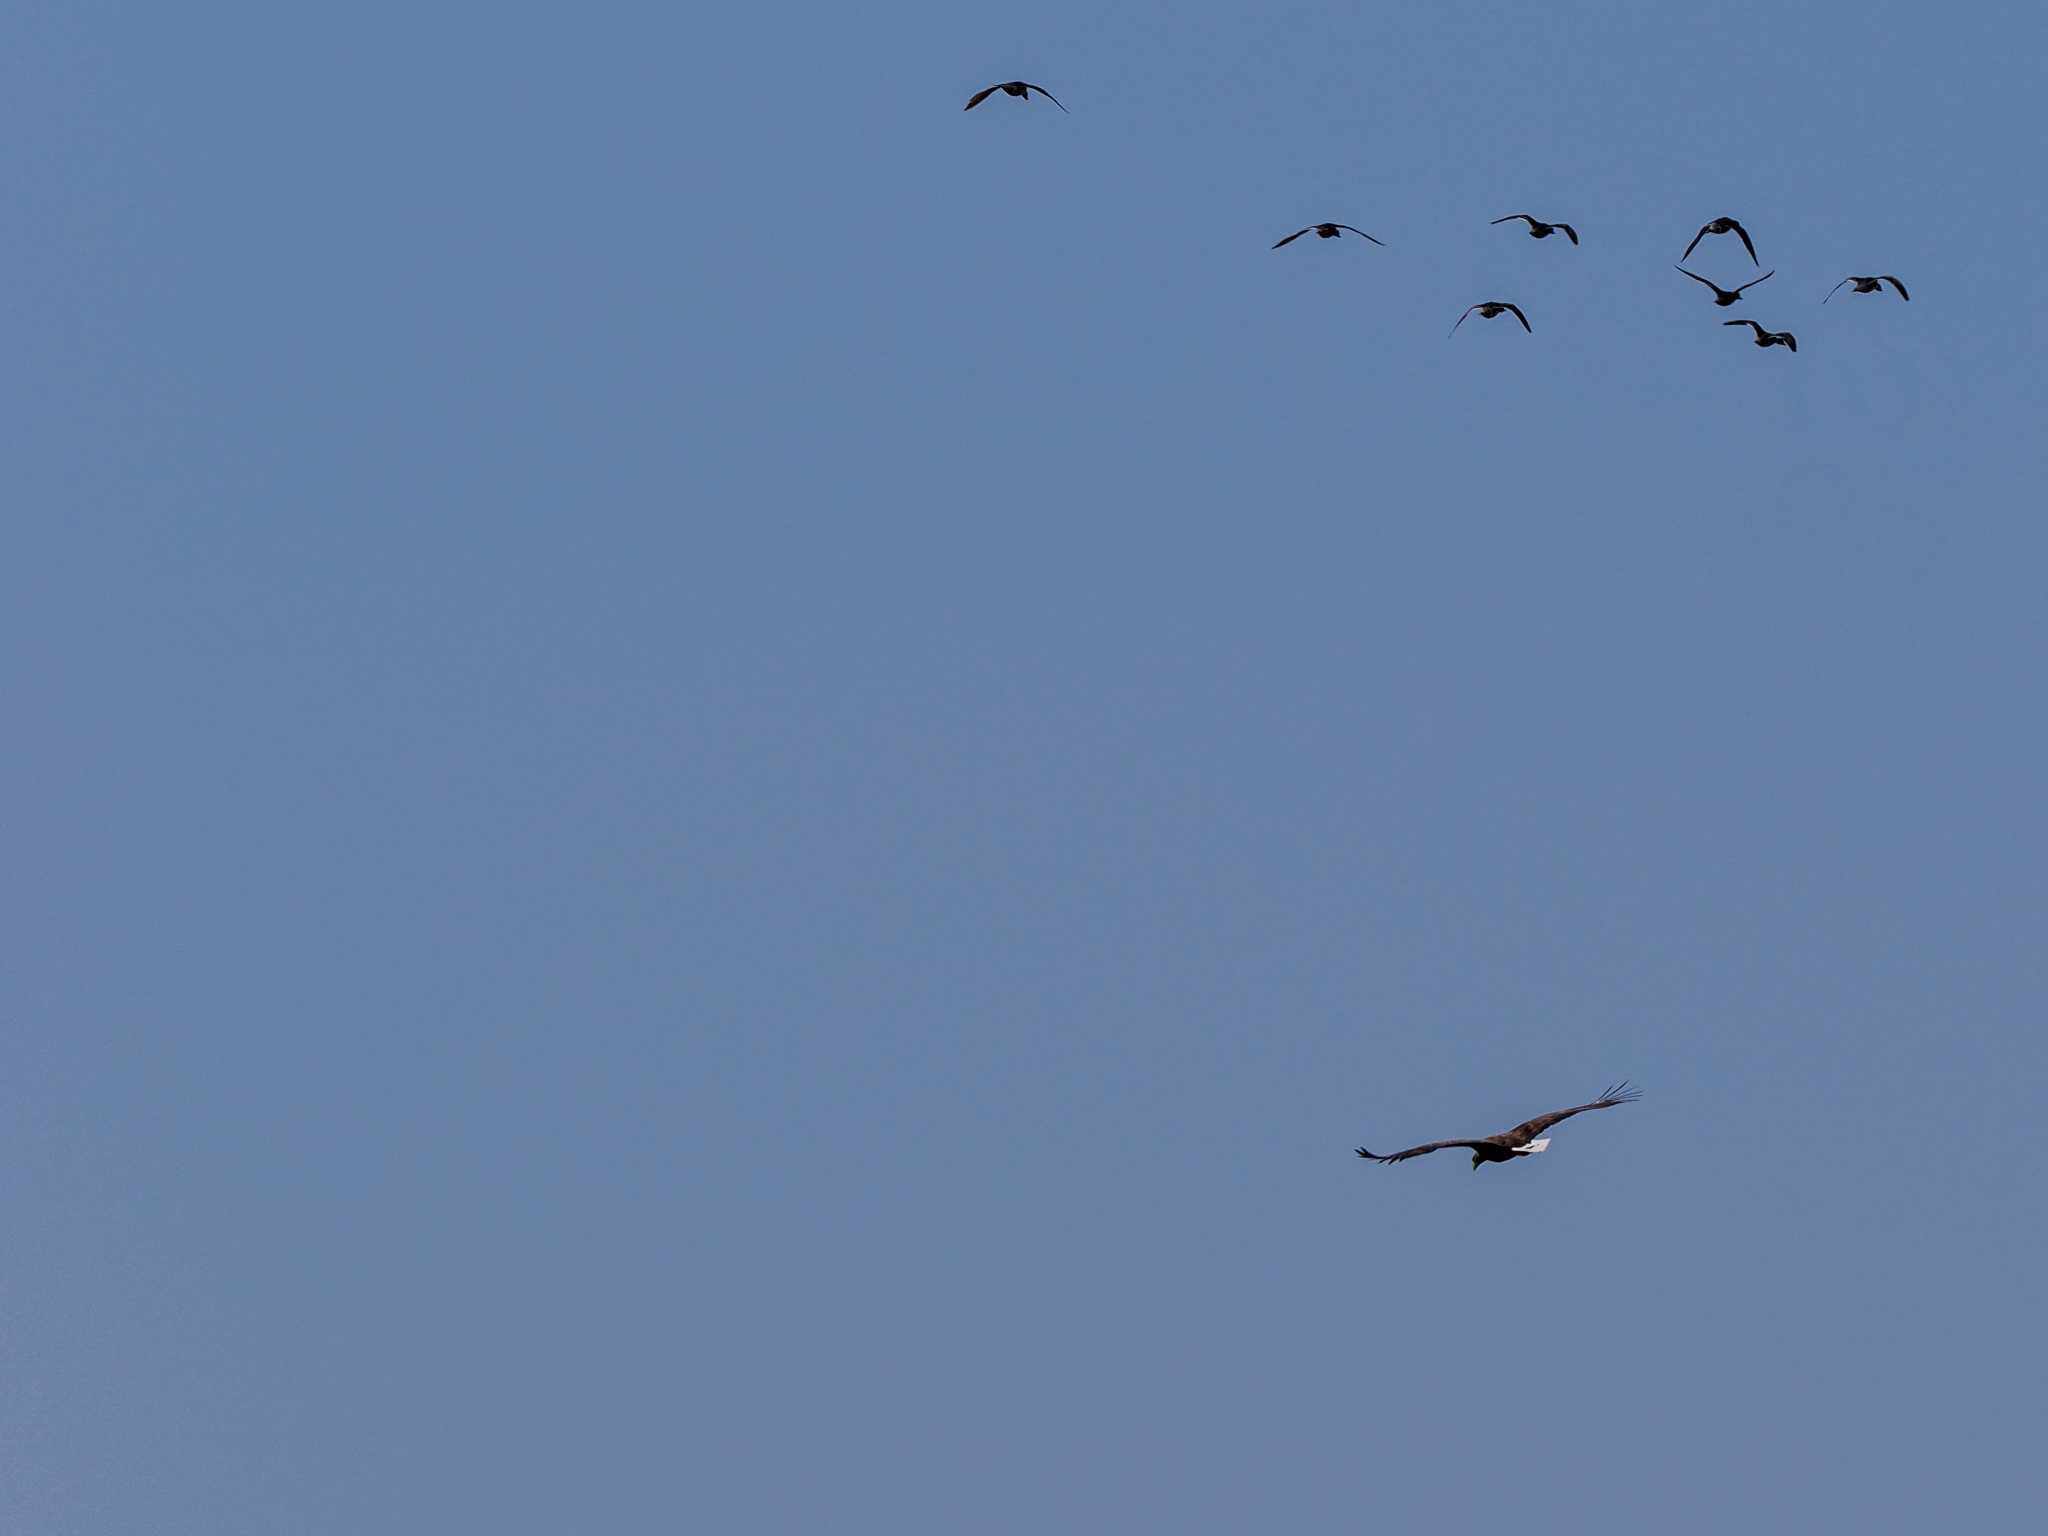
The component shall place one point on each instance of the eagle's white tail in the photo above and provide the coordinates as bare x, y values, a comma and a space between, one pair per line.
1534, 1146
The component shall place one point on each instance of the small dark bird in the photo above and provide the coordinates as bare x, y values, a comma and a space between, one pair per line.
1766, 338
1538, 230
1870, 285
1519, 1142
1724, 226
1488, 310
1327, 232
1726, 296
1012, 88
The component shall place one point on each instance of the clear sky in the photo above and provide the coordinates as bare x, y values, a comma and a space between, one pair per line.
726, 792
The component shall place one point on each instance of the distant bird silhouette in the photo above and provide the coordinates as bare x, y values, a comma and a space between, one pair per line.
1538, 230
1489, 310
1726, 296
1522, 1140
1766, 338
1724, 226
1326, 232
1021, 88
1870, 285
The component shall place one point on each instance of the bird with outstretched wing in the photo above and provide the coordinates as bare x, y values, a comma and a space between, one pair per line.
1519, 1142
1022, 88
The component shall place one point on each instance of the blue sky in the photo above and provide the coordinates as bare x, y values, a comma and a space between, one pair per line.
728, 791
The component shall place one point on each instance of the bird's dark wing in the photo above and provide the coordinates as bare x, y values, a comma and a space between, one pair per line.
1755, 280
979, 97
1695, 241
1900, 286
1516, 311
1295, 236
1427, 1146
1751, 323
1791, 341
1698, 279
1745, 242
1356, 231
1461, 320
1510, 218
1570, 233
1620, 1093
1834, 290
1048, 95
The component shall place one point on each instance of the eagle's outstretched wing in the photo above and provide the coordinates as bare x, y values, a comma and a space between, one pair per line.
1293, 237
1427, 1146
1529, 1130
1888, 278
1377, 241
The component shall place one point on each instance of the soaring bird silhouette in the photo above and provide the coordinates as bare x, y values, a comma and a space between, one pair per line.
1724, 226
1327, 232
1488, 310
1870, 285
1726, 296
1519, 1142
1021, 88
1766, 338
1538, 230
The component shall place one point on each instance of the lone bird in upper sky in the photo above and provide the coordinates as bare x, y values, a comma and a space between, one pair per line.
1021, 88
1726, 296
1519, 1142
1327, 232
1870, 285
1766, 338
1491, 308
1723, 226
1538, 230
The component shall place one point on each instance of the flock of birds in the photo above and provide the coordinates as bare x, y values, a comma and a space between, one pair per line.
1527, 1139
1489, 309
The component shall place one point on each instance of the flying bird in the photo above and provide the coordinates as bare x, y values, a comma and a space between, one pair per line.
1327, 232
1021, 88
1870, 285
1723, 226
1519, 1142
1726, 296
1491, 308
1766, 338
1538, 230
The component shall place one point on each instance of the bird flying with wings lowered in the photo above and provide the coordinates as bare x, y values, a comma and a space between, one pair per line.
1522, 1141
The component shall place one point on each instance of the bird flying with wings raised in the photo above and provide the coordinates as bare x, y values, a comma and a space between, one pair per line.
1522, 1141
1726, 296
1022, 88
